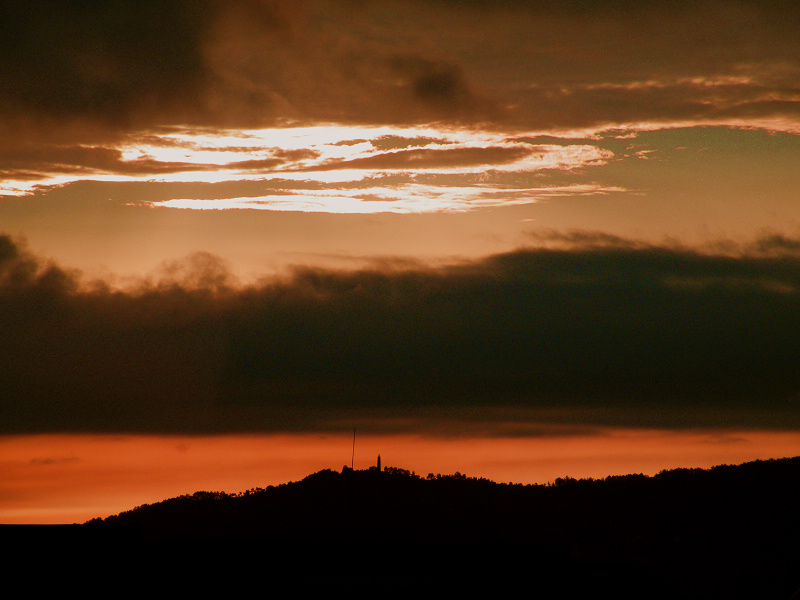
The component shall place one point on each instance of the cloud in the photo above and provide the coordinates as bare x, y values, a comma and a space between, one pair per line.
421, 159
320, 169
615, 332
133, 65
105, 61
124, 65
82, 82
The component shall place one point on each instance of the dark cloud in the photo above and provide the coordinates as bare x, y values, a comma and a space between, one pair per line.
41, 161
101, 60
577, 64
776, 243
436, 84
80, 70
30, 162
78, 78
396, 142
702, 101
588, 333
277, 158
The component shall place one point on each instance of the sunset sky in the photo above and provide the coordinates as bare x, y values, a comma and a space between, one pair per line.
520, 239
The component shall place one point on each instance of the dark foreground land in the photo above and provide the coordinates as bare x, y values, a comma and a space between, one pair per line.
727, 532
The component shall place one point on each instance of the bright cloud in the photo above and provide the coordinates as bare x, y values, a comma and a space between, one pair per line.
337, 169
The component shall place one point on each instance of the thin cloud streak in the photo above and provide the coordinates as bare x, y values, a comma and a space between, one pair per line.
404, 199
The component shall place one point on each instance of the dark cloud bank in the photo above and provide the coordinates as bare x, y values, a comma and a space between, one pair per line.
130, 64
123, 65
598, 330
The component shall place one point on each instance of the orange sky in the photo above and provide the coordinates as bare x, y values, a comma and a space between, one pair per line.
73, 478
493, 220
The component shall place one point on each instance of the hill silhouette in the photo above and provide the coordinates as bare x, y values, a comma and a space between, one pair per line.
729, 531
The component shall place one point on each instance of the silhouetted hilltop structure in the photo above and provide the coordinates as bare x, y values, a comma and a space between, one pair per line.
731, 529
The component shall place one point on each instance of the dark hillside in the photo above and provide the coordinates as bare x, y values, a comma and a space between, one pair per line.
731, 531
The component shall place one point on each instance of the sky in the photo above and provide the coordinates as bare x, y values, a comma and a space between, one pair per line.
517, 239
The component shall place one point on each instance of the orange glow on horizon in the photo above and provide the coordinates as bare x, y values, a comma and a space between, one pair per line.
72, 478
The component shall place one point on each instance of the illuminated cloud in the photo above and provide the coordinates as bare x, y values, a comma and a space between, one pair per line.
344, 169
404, 198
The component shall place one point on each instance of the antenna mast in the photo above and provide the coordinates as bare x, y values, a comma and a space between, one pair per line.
352, 458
